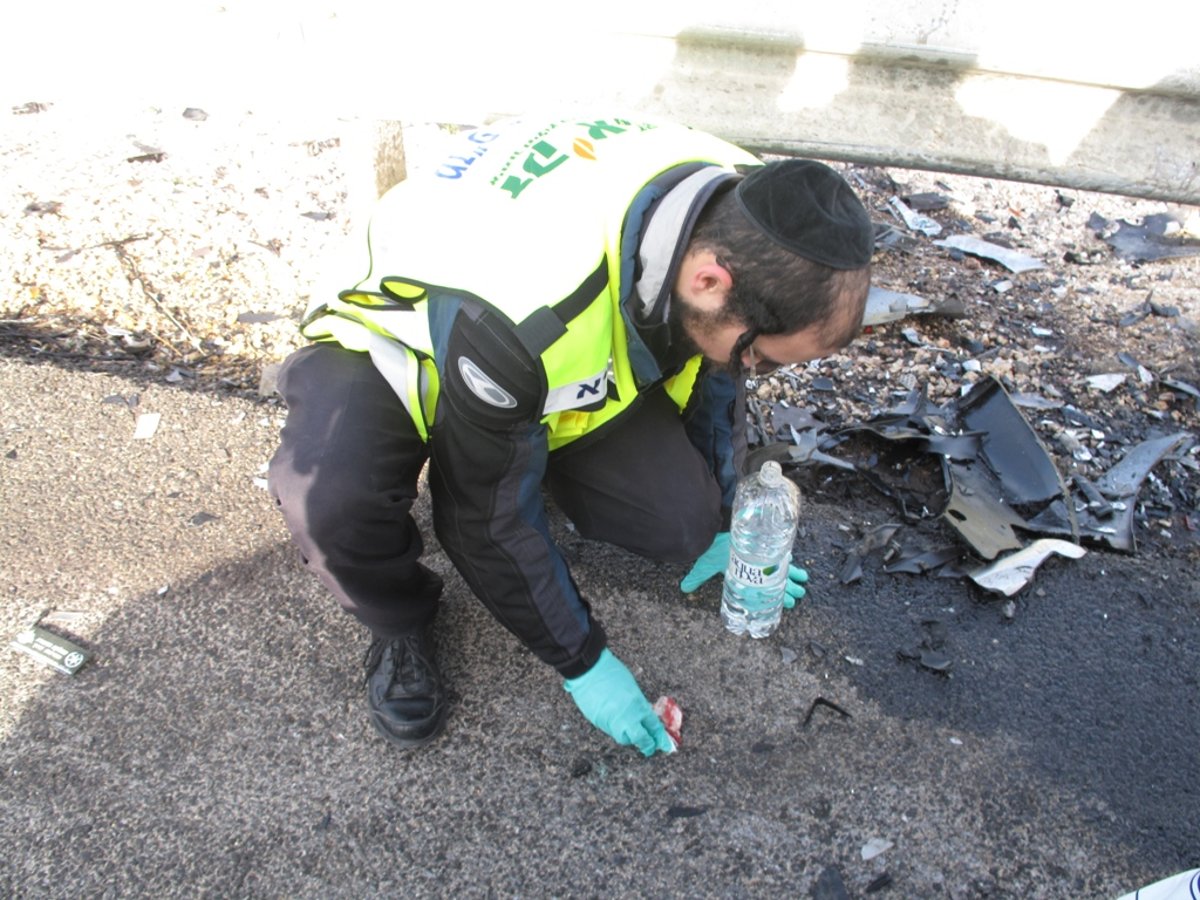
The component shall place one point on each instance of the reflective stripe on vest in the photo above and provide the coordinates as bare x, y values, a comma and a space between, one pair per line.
408, 369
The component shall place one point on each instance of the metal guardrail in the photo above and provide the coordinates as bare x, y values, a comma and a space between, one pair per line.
1060, 93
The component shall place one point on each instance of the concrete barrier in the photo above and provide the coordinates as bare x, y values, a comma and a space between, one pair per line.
1066, 94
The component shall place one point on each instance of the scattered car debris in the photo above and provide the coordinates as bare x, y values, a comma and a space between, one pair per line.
1012, 260
51, 649
915, 221
889, 238
924, 561
929, 652
926, 201
975, 463
1009, 574
890, 306
1106, 383
1111, 522
1159, 236
828, 704
1182, 387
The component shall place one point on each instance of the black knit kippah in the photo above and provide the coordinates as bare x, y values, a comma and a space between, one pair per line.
808, 208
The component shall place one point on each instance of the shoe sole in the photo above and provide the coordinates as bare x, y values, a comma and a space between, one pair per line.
409, 743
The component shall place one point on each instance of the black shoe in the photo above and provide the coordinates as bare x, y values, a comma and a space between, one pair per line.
404, 689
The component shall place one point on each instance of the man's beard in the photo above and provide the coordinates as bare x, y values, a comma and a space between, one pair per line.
684, 320
682, 346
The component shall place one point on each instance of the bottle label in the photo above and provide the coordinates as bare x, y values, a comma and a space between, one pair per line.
748, 573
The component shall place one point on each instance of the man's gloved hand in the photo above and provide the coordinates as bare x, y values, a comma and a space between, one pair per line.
609, 697
716, 559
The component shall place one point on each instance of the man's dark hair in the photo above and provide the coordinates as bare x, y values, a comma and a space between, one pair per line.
774, 290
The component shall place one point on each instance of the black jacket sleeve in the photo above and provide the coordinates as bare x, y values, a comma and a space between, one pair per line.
716, 426
488, 457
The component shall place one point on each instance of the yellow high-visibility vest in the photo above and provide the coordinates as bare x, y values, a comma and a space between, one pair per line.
526, 217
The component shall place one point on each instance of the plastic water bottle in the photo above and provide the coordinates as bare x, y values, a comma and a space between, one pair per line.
766, 510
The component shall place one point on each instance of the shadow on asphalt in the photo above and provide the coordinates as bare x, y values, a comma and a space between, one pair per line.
219, 741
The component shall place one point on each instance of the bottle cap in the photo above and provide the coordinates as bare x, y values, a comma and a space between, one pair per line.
771, 472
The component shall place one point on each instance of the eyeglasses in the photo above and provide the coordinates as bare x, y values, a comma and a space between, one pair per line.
759, 364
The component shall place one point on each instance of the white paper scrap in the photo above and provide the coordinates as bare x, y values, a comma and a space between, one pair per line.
147, 425
874, 847
1106, 383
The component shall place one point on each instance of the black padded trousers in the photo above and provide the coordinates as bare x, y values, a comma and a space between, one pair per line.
346, 472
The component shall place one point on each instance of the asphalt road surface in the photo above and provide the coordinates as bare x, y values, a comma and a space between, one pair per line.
216, 742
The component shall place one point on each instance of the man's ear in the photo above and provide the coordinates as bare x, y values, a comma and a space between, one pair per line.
707, 282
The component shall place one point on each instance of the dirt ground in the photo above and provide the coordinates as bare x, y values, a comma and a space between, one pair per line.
177, 248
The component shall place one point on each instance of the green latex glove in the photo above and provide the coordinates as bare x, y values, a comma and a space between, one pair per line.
609, 697
716, 559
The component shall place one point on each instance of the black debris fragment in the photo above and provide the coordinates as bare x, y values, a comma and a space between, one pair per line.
829, 704
927, 200
1159, 236
885, 306
852, 570
878, 883
878, 538
1182, 387
830, 886
929, 652
975, 463
976, 466
807, 448
1135, 315
1111, 522
1146, 308
925, 561
43, 208
888, 237
685, 812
